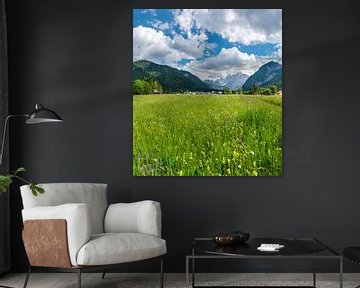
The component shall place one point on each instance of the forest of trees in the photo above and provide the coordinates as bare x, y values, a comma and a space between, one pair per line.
147, 86
255, 90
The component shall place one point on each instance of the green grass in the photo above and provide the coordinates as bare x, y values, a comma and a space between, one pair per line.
207, 135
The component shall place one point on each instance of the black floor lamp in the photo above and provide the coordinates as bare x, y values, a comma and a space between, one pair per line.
39, 115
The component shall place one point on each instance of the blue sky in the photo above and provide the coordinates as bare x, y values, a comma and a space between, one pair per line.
210, 43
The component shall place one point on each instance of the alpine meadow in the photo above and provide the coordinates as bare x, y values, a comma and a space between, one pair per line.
207, 99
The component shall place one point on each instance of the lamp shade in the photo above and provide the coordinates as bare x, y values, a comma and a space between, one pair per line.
42, 115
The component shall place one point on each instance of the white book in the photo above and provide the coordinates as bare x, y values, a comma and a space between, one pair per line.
270, 247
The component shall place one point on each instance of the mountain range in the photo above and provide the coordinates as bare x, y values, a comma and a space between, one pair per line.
175, 80
233, 82
268, 74
171, 79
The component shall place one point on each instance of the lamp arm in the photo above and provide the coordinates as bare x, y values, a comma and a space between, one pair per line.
4, 134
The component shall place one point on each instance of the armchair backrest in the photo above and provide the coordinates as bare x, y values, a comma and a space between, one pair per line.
55, 194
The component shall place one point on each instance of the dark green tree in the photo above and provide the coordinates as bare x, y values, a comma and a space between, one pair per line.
266, 91
226, 90
138, 87
255, 90
157, 88
274, 89
147, 87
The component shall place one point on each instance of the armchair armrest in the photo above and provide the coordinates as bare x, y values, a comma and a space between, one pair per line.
78, 223
138, 217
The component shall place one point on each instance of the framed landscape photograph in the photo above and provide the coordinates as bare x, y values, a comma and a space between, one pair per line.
207, 92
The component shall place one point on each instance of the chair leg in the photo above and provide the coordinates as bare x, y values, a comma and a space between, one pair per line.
161, 272
27, 277
79, 277
103, 275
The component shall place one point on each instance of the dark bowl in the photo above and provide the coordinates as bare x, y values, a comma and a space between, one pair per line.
225, 239
231, 238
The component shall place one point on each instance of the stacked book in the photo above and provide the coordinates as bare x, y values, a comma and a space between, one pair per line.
270, 247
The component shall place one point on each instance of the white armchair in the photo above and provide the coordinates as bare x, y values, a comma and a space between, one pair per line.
72, 228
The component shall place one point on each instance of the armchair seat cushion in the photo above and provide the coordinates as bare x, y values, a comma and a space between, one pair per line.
113, 248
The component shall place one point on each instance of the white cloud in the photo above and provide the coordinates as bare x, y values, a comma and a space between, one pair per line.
278, 53
275, 56
227, 62
155, 46
193, 46
161, 25
185, 19
246, 26
151, 11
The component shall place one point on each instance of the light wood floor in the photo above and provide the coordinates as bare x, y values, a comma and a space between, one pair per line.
68, 280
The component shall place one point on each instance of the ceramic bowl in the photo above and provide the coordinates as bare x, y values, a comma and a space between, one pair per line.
225, 239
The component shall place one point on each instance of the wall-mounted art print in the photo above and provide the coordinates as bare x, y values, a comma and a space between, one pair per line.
207, 92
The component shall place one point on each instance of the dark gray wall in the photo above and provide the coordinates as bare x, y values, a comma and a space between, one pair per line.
76, 57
